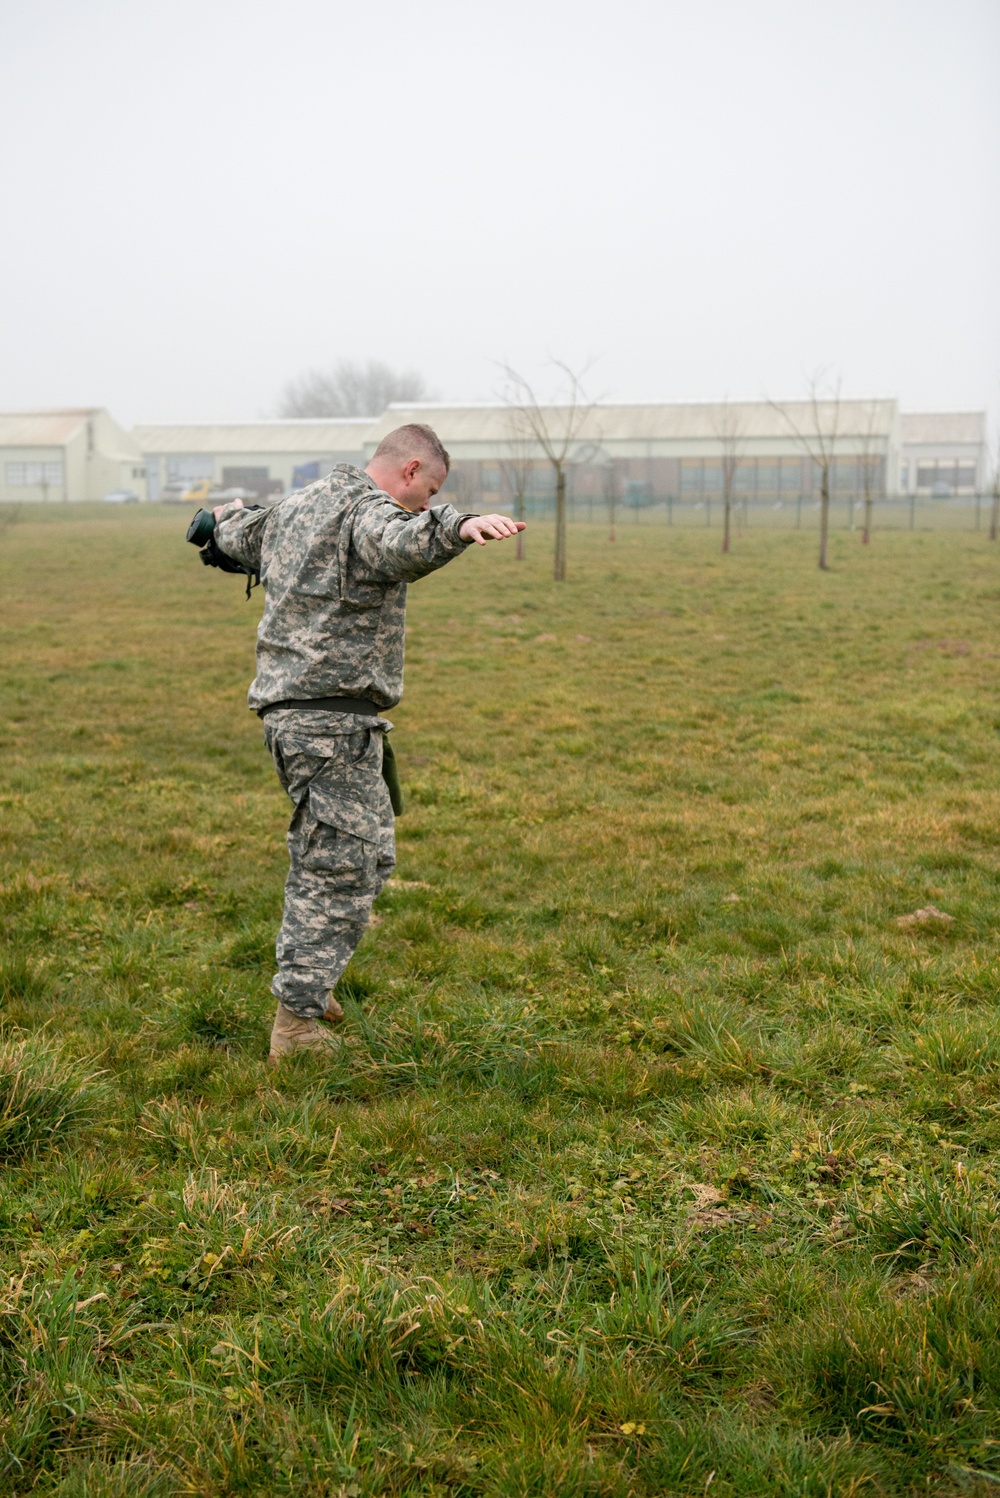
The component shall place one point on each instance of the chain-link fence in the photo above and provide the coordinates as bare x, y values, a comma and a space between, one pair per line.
895, 512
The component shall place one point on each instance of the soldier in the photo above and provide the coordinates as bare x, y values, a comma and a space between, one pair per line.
335, 560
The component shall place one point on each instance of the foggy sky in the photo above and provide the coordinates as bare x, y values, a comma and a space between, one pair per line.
203, 198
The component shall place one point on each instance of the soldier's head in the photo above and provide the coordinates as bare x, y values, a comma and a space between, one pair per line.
411, 465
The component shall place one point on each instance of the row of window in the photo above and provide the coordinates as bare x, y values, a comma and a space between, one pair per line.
19, 475
945, 475
704, 476
779, 476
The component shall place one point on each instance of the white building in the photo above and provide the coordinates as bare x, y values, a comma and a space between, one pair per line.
269, 457
651, 451
66, 455
659, 451
944, 452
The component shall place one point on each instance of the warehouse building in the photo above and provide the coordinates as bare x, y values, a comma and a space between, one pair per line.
654, 452
644, 452
67, 455
944, 453
265, 457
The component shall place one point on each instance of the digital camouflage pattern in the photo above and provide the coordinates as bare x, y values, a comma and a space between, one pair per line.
341, 846
335, 560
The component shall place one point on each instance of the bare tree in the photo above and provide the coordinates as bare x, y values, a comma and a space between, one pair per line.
350, 389
516, 468
611, 493
554, 428
817, 437
872, 479
729, 430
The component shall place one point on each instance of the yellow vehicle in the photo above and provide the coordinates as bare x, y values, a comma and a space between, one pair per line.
199, 491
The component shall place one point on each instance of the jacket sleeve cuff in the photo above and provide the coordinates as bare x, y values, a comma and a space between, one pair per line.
451, 522
228, 511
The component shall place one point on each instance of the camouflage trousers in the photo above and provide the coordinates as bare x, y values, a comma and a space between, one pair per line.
341, 846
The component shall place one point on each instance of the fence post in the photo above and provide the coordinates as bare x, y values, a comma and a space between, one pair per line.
977, 511
798, 513
708, 512
913, 506
670, 509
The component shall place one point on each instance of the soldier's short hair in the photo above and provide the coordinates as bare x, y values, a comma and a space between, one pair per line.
414, 440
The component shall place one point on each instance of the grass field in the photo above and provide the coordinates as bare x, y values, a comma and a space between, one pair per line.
659, 1158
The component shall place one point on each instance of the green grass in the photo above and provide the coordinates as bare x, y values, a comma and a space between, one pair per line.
658, 1160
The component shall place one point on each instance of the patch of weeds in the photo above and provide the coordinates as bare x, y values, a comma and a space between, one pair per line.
927, 1217
43, 1095
174, 891
768, 933
736, 1119
693, 1341
220, 1016
252, 948
917, 1373
20, 980
657, 920
952, 1046
188, 1069
355, 985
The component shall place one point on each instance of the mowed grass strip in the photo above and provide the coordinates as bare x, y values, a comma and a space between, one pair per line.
660, 1156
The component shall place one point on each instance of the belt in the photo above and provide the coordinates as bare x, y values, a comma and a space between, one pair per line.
390, 773
327, 705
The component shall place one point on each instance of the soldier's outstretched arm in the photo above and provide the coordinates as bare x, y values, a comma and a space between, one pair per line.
396, 546
483, 528
239, 532
401, 547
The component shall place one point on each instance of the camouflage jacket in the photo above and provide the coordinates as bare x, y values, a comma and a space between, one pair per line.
335, 560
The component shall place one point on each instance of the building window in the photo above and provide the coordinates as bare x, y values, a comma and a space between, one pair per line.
768, 476
191, 468
691, 476
491, 480
541, 481
943, 476
38, 475
745, 478
873, 476
844, 475
791, 475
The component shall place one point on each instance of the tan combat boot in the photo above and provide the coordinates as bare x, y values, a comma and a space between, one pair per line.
291, 1032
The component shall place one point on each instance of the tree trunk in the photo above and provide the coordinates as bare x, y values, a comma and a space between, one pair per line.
824, 519
726, 508
519, 515
559, 570
995, 515
866, 534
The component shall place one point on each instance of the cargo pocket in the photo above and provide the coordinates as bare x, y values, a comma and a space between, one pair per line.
342, 840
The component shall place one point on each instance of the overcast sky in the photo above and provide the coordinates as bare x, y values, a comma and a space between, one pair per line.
203, 198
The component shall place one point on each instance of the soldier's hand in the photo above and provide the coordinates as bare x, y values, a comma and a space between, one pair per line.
236, 504
483, 528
